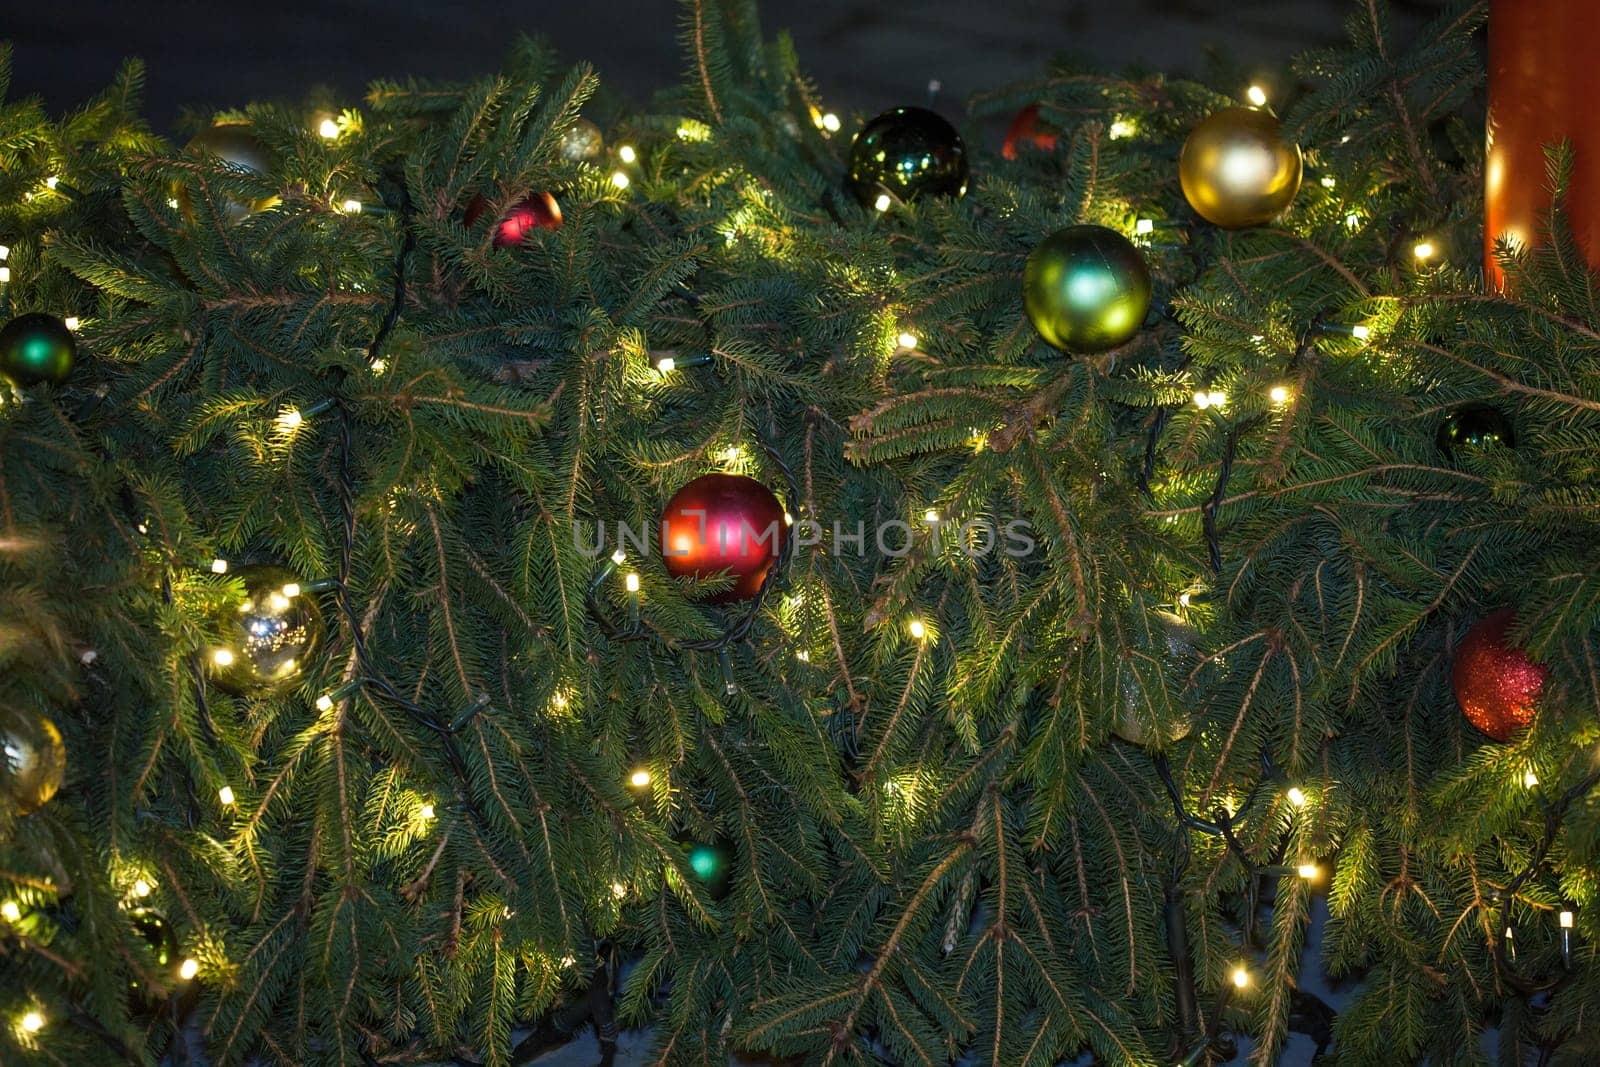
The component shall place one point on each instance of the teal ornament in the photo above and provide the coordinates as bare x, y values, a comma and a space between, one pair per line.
712, 865
1086, 289
37, 348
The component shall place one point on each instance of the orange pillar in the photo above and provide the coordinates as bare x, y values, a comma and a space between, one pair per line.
1544, 87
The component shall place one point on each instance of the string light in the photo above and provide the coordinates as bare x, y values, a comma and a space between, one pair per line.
141, 888
639, 778
51, 182
290, 419
1530, 779
918, 629
803, 656
1144, 227
71, 323
1183, 600
627, 154
620, 180
1296, 796
1360, 332
930, 515
5, 274
222, 657
225, 794
1308, 871
1217, 397
219, 566
830, 122
1278, 394
1241, 977
10, 911
5, 252
329, 129
619, 890
379, 366
32, 1022
666, 365
1423, 250
908, 340
1352, 221
1257, 95
426, 811
1120, 128
351, 207
882, 203
1328, 181
1565, 918
325, 702
632, 582
188, 969
1202, 400
617, 557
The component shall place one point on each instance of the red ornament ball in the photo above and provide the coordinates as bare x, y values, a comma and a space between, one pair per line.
1027, 129
537, 212
723, 522
1496, 684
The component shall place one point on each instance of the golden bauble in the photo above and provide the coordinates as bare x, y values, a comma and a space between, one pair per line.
582, 143
268, 635
1237, 170
1168, 652
237, 146
35, 761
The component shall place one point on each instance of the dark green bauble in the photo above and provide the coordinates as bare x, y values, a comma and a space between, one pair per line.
36, 348
907, 153
711, 864
156, 932
1086, 289
1170, 649
268, 635
235, 145
35, 761
1475, 426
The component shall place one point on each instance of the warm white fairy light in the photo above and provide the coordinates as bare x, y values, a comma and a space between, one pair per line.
5, 252
222, 657
617, 557
1278, 394
290, 419
1328, 181
830, 122
51, 182
666, 365
351, 207
1257, 95
930, 515
32, 1022
627, 154
1296, 796
225, 794
219, 566
325, 702
141, 888
172, 201
632, 582
620, 180
1352, 221
1308, 871
329, 129
1241, 977
1202, 400
71, 322
1360, 332
1530, 779
1183, 600
188, 969
918, 629
426, 811
1565, 919
908, 340
803, 656
1423, 250
619, 890
1217, 398
1121, 128
5, 275
639, 778
11, 911
883, 202
1144, 227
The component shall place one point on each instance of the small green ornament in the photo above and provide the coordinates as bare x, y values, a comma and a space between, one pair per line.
907, 153
269, 635
36, 348
1086, 289
1475, 426
712, 864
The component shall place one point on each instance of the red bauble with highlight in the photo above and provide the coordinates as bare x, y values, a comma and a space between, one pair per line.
1030, 130
1497, 685
537, 212
723, 523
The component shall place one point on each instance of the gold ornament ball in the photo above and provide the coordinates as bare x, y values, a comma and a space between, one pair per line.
582, 143
36, 762
1173, 644
235, 145
268, 635
1237, 170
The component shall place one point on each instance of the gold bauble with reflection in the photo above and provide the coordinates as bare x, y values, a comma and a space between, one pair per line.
582, 143
35, 760
268, 635
234, 144
1237, 170
1167, 650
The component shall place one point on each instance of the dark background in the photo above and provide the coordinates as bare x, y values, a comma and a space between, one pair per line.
863, 54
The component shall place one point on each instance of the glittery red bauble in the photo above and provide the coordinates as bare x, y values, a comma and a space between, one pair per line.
539, 211
1028, 129
1497, 685
723, 522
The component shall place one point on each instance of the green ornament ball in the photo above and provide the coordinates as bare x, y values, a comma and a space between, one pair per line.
36, 348
1086, 289
35, 760
268, 636
1478, 426
906, 153
712, 865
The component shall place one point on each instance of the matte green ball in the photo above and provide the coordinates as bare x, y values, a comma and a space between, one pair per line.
1086, 289
36, 348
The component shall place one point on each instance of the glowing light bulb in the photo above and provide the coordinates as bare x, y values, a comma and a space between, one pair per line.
918, 629
33, 1022
5, 274
222, 657
10, 911
379, 366
1308, 871
1257, 95
1328, 181
667, 365
1360, 333
219, 566
1119, 129
1352, 221
5, 252
617, 557
1144, 227
627, 154
632, 582
51, 182
803, 656
882, 203
1278, 394
188, 969
172, 201
1217, 397
426, 811
1423, 250
325, 702
1565, 919
1530, 779
141, 888
225, 794
830, 122
1183, 600
290, 419
351, 207
329, 129
71, 323
908, 340
620, 180
558, 700
1241, 977
1202, 400
639, 778
1296, 796
732, 455
788, 519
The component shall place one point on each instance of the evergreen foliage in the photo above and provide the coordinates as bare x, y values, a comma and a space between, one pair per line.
940, 852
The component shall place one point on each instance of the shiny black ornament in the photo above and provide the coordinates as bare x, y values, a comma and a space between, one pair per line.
268, 635
36, 348
156, 931
907, 153
1475, 426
